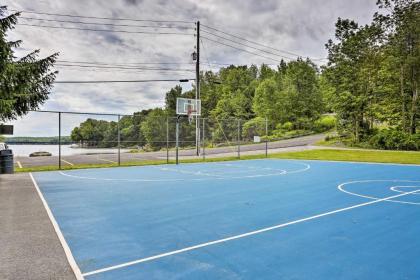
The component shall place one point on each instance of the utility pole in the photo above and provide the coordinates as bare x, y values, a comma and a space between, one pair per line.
197, 89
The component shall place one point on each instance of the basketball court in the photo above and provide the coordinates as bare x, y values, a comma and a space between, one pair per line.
250, 219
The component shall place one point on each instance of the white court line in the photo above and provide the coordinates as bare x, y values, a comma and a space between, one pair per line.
281, 172
341, 161
397, 188
68, 162
67, 251
19, 164
195, 247
186, 172
341, 188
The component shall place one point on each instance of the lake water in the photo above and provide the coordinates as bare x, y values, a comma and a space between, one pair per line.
66, 150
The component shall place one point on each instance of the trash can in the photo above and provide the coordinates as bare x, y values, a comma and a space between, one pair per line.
6, 162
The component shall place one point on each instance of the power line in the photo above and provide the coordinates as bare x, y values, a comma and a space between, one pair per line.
105, 24
256, 54
249, 41
107, 30
122, 71
93, 17
125, 64
248, 46
236, 63
124, 81
205, 54
122, 67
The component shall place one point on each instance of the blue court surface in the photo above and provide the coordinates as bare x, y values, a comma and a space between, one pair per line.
251, 219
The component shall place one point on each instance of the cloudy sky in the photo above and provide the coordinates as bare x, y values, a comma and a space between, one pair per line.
297, 26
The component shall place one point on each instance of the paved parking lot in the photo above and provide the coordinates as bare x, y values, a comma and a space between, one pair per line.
301, 143
30, 248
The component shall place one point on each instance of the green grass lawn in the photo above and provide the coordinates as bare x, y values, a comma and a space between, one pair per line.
324, 154
403, 157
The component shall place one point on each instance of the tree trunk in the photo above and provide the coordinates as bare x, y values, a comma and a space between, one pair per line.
413, 113
403, 101
356, 129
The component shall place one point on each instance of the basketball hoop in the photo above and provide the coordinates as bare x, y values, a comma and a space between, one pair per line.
188, 107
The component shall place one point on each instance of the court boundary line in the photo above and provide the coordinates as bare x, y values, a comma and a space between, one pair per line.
72, 262
268, 158
339, 161
397, 188
342, 189
282, 172
243, 235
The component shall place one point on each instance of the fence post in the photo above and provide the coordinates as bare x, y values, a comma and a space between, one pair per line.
239, 138
266, 137
176, 139
204, 140
119, 141
59, 140
167, 140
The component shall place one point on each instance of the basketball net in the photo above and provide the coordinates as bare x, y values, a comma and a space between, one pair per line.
190, 114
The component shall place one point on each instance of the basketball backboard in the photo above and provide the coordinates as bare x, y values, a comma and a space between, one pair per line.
187, 106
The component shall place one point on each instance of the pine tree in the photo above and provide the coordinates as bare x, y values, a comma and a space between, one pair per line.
25, 83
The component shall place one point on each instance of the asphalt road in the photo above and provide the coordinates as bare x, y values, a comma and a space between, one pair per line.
300, 143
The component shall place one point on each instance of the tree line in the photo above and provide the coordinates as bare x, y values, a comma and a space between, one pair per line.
369, 85
368, 91
286, 101
372, 77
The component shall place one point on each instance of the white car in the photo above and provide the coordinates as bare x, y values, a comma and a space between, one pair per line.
3, 146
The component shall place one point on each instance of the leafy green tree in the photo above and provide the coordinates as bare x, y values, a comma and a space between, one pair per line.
290, 95
170, 99
301, 87
76, 135
353, 71
236, 92
130, 128
268, 101
401, 27
25, 83
210, 90
94, 132
154, 128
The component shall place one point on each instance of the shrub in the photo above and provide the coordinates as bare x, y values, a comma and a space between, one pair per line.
325, 123
303, 123
287, 126
253, 127
392, 139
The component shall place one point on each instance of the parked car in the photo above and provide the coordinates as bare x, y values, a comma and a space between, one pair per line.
3, 146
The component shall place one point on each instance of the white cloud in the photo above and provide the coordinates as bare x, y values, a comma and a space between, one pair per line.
300, 26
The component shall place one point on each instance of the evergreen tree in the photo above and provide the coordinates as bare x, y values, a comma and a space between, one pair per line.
25, 83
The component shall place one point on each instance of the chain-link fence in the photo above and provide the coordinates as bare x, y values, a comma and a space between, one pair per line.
62, 140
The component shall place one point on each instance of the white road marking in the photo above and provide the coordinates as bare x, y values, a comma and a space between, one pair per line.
67, 251
198, 246
107, 160
19, 164
341, 188
68, 162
